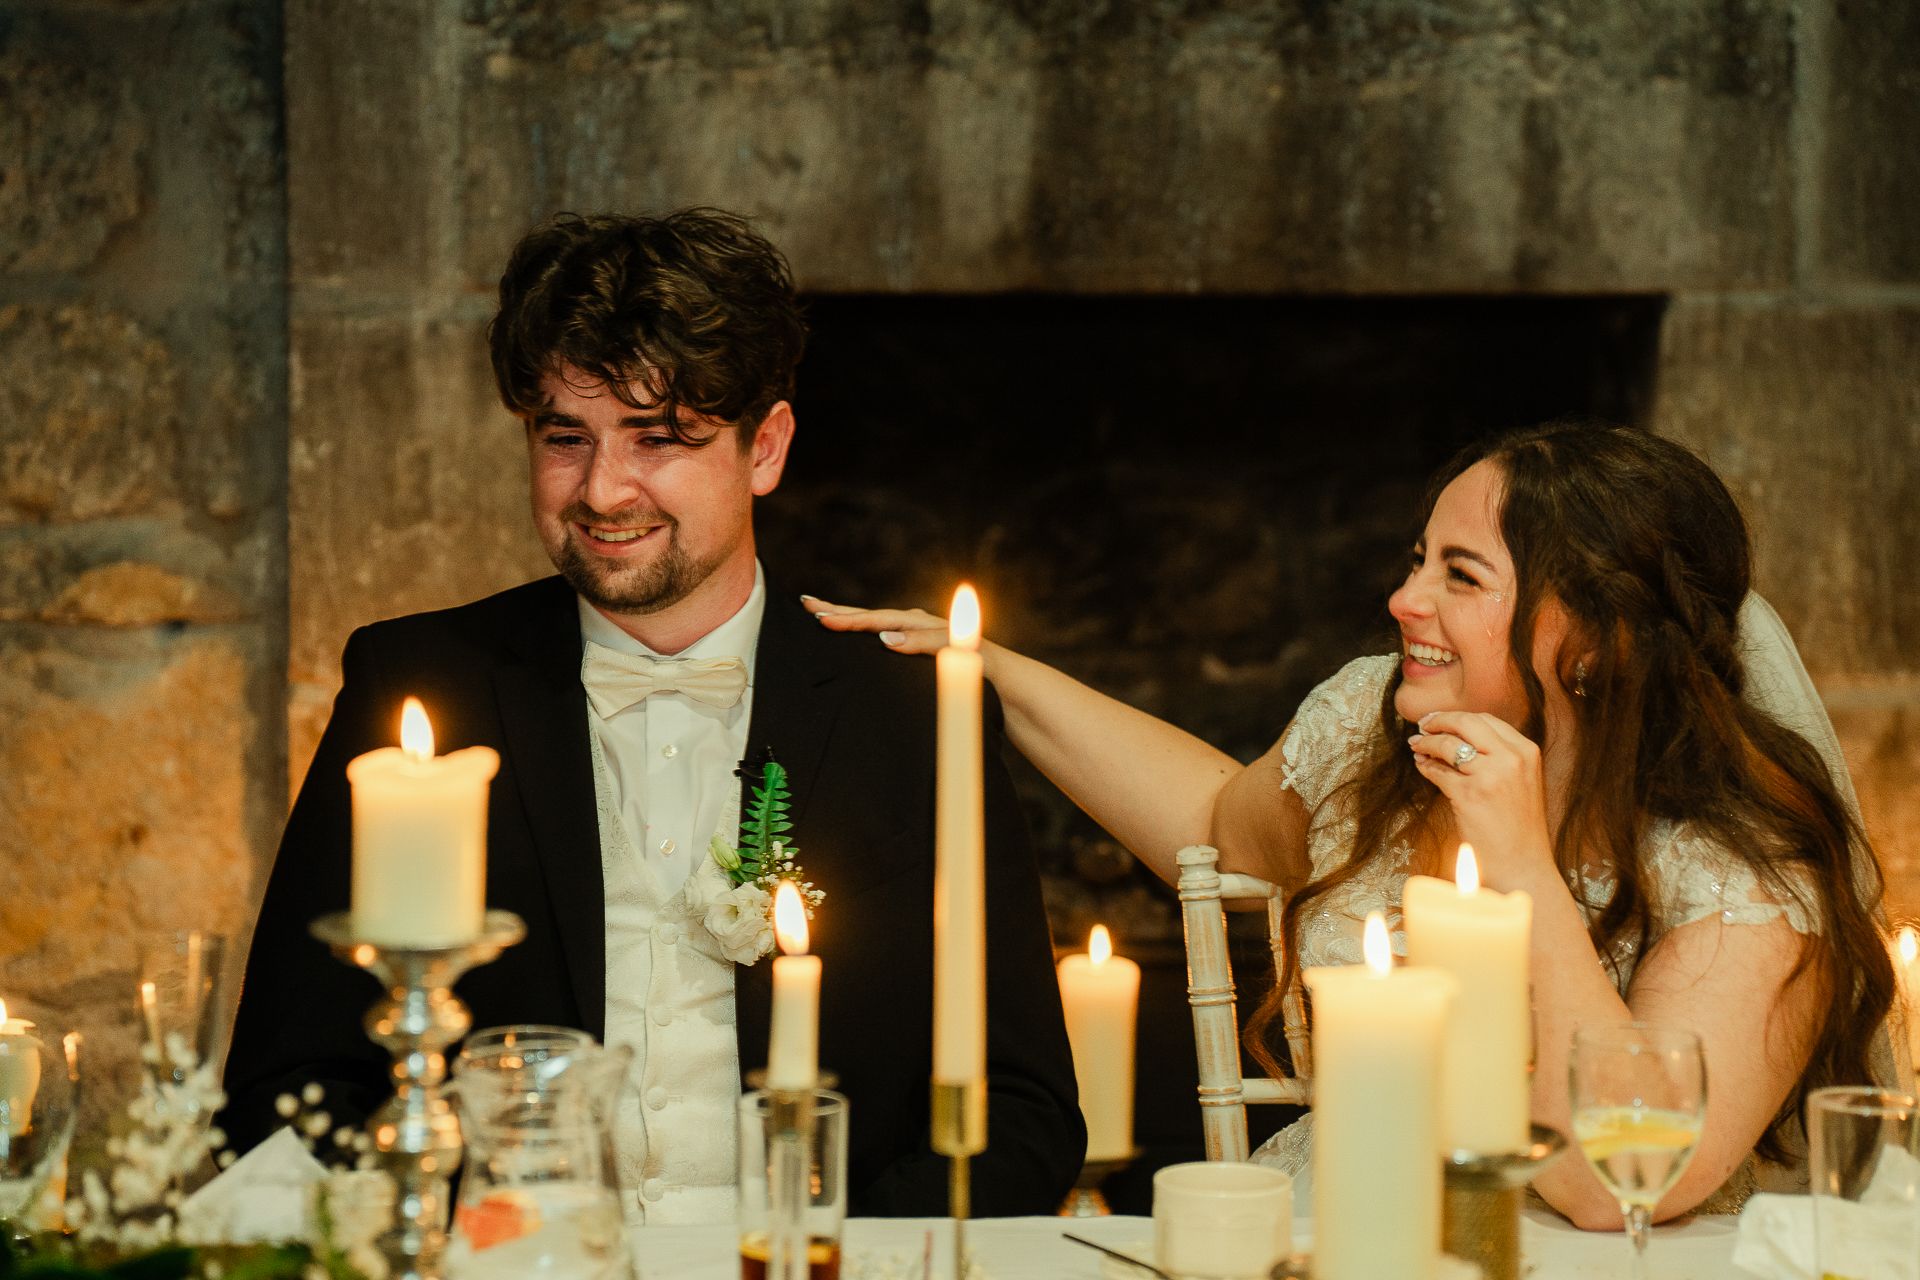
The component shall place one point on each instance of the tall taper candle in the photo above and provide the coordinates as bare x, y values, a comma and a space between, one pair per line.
1482, 939
420, 839
959, 886
1376, 1115
793, 1056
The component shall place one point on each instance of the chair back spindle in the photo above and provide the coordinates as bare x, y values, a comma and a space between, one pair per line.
1224, 1093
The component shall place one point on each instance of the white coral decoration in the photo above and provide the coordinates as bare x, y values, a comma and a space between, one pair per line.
352, 1208
134, 1207
741, 921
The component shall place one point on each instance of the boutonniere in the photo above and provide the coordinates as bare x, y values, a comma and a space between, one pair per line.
741, 918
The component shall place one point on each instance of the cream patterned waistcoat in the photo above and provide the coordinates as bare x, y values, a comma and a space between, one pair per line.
670, 996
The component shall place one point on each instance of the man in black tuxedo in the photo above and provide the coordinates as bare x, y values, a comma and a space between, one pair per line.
652, 361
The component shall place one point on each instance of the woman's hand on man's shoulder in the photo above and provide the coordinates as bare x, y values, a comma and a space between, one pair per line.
902, 630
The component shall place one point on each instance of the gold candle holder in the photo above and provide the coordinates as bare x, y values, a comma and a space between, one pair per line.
1085, 1200
959, 1133
1480, 1221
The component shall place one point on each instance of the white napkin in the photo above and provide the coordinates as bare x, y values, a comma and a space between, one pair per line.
260, 1199
1875, 1236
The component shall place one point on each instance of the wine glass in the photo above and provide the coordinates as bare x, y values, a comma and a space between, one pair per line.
1639, 1097
39, 1101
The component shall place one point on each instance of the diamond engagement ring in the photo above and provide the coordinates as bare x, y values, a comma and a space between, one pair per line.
1463, 753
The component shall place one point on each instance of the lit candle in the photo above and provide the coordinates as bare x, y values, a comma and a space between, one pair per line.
959, 878
19, 1072
1904, 951
420, 839
1482, 938
1376, 1115
1101, 992
793, 1056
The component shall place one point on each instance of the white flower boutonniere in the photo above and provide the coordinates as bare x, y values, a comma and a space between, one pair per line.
741, 918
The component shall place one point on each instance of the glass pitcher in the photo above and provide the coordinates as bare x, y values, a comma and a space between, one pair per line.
537, 1191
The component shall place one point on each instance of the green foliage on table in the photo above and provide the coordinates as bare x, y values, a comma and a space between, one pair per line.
50, 1254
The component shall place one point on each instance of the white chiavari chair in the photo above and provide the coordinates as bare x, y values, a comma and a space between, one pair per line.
1224, 1092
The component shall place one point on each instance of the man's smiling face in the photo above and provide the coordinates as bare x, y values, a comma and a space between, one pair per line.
635, 520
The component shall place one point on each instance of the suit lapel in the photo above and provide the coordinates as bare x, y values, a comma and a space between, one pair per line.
544, 720
795, 702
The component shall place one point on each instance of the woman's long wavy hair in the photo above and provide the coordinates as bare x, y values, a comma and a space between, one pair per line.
1643, 546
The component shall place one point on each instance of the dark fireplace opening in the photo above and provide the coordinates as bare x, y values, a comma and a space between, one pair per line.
1196, 504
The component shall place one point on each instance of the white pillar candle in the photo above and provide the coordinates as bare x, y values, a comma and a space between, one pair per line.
1376, 1115
793, 1056
1101, 992
959, 885
1906, 949
420, 839
1482, 939
19, 1071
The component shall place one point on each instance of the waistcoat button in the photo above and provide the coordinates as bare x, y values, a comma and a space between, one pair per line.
662, 1014
652, 1189
656, 1098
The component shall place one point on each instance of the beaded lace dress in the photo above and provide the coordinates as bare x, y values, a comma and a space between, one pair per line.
1690, 878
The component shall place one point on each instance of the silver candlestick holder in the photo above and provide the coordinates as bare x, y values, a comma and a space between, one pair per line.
1480, 1221
416, 1135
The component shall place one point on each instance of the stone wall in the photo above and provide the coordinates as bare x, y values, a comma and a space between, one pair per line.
142, 492
246, 413
1751, 160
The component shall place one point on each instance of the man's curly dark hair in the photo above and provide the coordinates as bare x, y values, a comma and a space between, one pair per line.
695, 308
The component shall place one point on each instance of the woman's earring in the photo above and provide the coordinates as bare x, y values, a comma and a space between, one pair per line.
1580, 678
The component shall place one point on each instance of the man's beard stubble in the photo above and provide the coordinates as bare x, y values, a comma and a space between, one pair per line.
639, 590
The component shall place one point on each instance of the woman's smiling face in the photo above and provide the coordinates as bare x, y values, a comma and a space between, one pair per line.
1456, 607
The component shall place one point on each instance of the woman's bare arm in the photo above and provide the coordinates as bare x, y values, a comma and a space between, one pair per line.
1728, 983
1260, 823
1151, 786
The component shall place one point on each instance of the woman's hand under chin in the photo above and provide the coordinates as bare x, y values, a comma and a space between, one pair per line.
1499, 794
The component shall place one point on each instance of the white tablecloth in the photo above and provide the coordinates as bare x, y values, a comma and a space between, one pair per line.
1032, 1249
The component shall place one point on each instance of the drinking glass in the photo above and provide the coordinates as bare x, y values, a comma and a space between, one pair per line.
820, 1172
180, 1000
1866, 1182
39, 1099
1639, 1097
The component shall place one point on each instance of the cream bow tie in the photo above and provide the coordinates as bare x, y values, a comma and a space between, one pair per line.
616, 680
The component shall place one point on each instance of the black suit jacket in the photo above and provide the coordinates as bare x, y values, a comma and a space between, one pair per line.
853, 724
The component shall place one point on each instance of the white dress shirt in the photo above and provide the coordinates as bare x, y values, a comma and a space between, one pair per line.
672, 758
664, 767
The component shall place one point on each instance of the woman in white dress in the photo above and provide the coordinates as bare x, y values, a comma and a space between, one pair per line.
1579, 695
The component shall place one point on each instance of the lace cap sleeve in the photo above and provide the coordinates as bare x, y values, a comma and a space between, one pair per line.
1332, 727
1699, 878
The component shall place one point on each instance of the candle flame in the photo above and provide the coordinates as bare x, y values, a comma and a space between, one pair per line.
1099, 945
149, 996
416, 731
3, 1010
1909, 946
1466, 871
790, 919
963, 622
1375, 946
